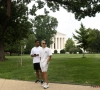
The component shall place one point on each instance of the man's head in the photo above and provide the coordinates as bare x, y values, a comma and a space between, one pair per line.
43, 43
37, 43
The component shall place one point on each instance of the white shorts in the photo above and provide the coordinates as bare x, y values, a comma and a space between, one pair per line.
44, 66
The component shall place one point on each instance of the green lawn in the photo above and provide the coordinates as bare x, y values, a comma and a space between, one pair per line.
64, 68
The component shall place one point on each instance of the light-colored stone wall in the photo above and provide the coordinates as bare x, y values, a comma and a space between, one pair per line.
59, 41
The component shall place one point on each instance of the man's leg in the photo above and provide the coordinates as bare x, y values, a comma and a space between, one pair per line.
42, 78
38, 74
45, 75
45, 85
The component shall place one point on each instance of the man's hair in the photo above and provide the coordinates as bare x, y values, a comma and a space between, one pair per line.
43, 41
36, 41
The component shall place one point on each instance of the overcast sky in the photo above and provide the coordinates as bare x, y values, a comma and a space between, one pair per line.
67, 24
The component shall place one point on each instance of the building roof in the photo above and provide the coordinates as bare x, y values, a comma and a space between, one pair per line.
60, 34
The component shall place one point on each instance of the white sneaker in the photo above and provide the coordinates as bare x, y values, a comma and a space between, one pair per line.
46, 86
43, 84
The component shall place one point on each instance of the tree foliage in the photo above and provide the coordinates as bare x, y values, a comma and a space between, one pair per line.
30, 43
14, 24
69, 44
94, 40
45, 28
81, 37
81, 8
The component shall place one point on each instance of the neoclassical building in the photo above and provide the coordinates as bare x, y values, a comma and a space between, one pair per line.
59, 41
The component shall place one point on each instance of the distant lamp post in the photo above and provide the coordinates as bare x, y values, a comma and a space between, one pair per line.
21, 53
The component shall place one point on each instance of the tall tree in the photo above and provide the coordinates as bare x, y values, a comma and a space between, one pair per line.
69, 44
5, 14
30, 43
81, 37
94, 40
14, 24
45, 28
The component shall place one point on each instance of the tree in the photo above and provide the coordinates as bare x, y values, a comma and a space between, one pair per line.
69, 44
45, 28
94, 40
14, 24
81, 37
30, 43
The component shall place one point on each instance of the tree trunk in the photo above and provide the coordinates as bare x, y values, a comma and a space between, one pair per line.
3, 29
2, 53
83, 53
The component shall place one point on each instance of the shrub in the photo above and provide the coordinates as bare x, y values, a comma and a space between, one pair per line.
74, 50
62, 51
55, 51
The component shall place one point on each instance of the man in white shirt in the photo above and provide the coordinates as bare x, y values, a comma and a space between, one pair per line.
45, 56
36, 61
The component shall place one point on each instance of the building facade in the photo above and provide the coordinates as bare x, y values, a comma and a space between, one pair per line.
59, 41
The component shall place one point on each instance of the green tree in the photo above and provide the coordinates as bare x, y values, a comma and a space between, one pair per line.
81, 37
15, 47
30, 43
69, 44
45, 28
14, 24
94, 40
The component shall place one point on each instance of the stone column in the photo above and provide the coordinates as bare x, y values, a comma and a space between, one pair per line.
64, 42
56, 43
60, 42
53, 43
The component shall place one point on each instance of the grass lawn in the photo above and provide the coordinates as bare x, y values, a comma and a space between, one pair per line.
64, 68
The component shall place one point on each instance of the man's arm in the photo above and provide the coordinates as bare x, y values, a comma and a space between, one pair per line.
32, 53
50, 54
48, 59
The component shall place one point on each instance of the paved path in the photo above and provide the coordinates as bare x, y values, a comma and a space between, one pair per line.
6, 84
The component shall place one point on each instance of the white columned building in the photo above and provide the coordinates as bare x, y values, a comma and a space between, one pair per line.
59, 41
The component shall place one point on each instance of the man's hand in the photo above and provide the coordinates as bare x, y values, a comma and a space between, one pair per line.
48, 59
34, 55
37, 54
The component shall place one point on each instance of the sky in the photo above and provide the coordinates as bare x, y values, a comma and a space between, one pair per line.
67, 24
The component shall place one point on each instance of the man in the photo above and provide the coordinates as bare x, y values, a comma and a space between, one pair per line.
45, 56
36, 61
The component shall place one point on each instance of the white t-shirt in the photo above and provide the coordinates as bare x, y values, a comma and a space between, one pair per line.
35, 50
44, 54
